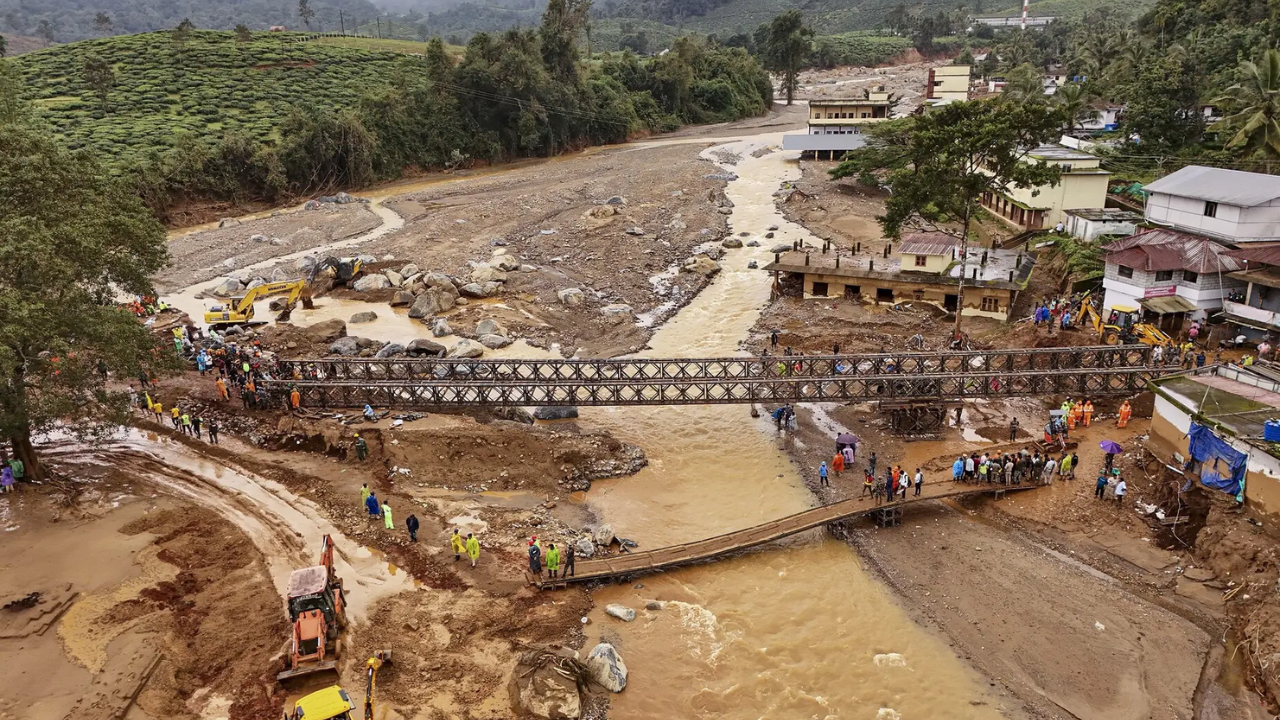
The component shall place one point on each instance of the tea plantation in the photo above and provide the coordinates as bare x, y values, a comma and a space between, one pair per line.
206, 87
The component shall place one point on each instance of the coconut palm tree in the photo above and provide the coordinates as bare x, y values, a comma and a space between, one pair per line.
1074, 103
1254, 104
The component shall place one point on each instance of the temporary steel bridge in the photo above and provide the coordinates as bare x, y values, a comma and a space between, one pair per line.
421, 383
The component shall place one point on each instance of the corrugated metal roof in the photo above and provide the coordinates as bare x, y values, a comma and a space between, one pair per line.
1172, 250
1232, 187
1260, 253
928, 244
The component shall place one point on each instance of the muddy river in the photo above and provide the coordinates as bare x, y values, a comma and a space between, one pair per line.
798, 631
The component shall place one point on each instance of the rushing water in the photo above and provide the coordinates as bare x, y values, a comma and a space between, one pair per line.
794, 632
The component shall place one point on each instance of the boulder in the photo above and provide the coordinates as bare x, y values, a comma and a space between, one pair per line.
440, 328
409, 270
256, 282
423, 346
768, 236
371, 283
752, 265
616, 200
462, 301
528, 268
367, 259
773, 227
363, 317
472, 290
485, 273
506, 263
753, 243
228, 222
431, 302
227, 288
258, 238
490, 327
230, 262
606, 667
466, 349
585, 547
603, 534
367, 343
715, 253
401, 297
490, 289
311, 205
395, 278
326, 331
493, 342
346, 346
702, 265
622, 612
305, 263
617, 314
390, 349
571, 297
436, 279
732, 243
635, 231
279, 242
514, 414
780, 248
726, 177
541, 692
555, 412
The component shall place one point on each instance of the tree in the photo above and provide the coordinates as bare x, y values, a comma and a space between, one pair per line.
182, 34
1074, 104
941, 161
45, 29
965, 58
102, 22
99, 76
1023, 84
787, 45
95, 241
1161, 106
243, 35
1254, 104
305, 12
4, 46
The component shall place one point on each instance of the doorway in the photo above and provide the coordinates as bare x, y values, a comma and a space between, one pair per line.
884, 295
950, 302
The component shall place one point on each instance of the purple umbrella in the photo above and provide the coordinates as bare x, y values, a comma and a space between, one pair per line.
1111, 447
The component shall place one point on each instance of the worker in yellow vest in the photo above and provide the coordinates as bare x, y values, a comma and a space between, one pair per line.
1088, 412
1125, 412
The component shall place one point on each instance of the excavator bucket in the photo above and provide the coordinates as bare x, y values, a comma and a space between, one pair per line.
307, 669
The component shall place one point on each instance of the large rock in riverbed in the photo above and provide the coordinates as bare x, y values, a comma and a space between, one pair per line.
606, 666
555, 412
363, 317
326, 331
540, 691
227, 288
431, 302
472, 290
440, 328
389, 350
423, 346
466, 349
370, 283
490, 327
570, 297
345, 346
585, 546
401, 298
623, 613
702, 265
493, 342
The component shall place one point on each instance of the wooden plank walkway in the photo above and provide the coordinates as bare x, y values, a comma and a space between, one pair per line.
636, 563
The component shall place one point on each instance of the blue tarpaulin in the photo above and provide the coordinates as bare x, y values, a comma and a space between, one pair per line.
1221, 466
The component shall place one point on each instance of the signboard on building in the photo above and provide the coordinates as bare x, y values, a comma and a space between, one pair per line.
1154, 292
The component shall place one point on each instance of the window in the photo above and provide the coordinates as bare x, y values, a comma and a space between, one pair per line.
990, 304
1066, 167
918, 295
1210, 209
1124, 271
1164, 275
1190, 277
937, 83
820, 289
922, 260
865, 115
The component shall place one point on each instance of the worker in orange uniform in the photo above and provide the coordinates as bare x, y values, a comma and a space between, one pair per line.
222, 390
1125, 412
295, 399
1088, 412
1071, 417
837, 463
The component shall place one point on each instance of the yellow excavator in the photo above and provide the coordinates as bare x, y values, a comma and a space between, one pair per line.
1128, 331
239, 310
333, 703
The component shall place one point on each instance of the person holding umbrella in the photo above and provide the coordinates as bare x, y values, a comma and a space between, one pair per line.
1111, 448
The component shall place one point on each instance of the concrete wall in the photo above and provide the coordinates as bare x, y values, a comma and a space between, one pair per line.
1231, 222
1169, 425
911, 292
1090, 229
936, 264
1074, 192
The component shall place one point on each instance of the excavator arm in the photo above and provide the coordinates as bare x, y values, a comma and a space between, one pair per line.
371, 679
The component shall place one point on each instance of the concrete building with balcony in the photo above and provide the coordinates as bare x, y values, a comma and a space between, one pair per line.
923, 268
948, 83
836, 125
1172, 277
1255, 312
1083, 186
1231, 205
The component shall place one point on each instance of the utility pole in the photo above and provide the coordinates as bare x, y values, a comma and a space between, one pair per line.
378, 22
342, 23
1024, 13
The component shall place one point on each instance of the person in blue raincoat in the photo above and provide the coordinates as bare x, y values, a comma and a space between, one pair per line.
372, 504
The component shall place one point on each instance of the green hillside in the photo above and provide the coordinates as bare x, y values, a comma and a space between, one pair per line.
1075, 9
207, 88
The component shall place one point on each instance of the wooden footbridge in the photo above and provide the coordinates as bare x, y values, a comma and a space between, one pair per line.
720, 546
419, 383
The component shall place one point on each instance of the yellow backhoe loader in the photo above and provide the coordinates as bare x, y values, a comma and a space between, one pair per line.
239, 310
333, 703
1127, 331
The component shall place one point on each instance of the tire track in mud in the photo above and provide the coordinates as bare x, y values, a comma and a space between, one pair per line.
285, 528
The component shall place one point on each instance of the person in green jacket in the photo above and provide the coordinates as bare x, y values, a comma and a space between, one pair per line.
386, 516
18, 468
362, 449
364, 494
473, 548
553, 559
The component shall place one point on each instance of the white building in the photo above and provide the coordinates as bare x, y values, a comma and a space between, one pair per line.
1105, 118
836, 125
1171, 276
1236, 206
1090, 224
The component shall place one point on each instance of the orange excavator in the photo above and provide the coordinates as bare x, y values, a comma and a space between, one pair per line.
318, 612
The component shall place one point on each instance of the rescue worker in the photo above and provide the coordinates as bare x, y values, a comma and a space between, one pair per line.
568, 559
176, 417
158, 409
365, 492
362, 448
1125, 411
553, 560
411, 524
386, 517
213, 431
223, 395
473, 550
195, 426
295, 399
1088, 412
837, 463
368, 413
371, 504
1013, 429
822, 482
459, 547
186, 424
535, 559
